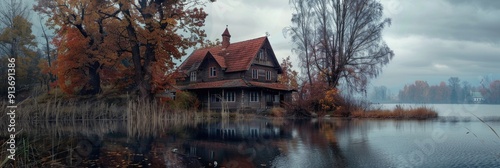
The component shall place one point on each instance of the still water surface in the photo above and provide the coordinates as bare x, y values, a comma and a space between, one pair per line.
458, 139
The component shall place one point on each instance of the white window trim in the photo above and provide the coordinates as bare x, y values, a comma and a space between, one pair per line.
254, 95
214, 71
268, 75
229, 98
193, 76
255, 74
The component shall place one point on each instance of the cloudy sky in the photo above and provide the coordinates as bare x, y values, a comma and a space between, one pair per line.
432, 40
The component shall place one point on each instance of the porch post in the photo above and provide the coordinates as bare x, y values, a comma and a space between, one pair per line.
208, 104
242, 99
260, 98
222, 102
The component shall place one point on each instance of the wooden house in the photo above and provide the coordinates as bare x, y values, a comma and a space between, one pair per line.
234, 76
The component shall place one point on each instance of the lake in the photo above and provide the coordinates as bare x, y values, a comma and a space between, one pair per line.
456, 139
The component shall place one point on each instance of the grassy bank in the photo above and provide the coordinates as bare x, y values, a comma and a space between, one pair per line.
397, 113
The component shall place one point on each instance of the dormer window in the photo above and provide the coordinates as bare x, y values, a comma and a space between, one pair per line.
213, 71
193, 76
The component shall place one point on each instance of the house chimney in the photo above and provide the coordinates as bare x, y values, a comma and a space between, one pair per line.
225, 38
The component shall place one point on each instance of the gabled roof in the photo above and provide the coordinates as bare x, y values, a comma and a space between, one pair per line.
237, 57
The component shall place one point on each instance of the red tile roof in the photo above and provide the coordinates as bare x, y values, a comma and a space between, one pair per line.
237, 57
234, 83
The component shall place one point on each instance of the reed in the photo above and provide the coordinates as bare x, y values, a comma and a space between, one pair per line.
397, 113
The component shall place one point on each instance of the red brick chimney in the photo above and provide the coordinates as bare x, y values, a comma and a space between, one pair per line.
225, 38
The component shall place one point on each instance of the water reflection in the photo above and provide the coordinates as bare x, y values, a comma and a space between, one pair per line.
257, 143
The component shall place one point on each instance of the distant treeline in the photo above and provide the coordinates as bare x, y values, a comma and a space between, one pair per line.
452, 92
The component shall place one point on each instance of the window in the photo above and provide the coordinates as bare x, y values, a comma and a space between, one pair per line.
255, 74
276, 98
268, 75
262, 55
254, 96
215, 98
213, 71
193, 76
230, 96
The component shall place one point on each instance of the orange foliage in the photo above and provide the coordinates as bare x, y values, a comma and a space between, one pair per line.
121, 42
71, 59
331, 96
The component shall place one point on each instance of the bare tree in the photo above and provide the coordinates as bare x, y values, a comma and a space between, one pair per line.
47, 49
454, 83
341, 40
300, 33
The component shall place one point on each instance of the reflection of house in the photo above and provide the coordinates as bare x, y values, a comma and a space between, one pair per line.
247, 144
234, 75
477, 97
242, 132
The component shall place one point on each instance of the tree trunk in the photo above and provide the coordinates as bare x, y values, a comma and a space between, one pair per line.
94, 84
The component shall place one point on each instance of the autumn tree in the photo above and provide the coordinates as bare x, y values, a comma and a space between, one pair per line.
18, 42
439, 93
341, 40
143, 36
155, 44
492, 92
82, 22
289, 76
417, 92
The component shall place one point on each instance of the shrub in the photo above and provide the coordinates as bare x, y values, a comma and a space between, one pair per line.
184, 101
277, 112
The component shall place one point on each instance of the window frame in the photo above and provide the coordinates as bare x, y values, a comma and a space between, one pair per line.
254, 96
262, 55
268, 75
193, 76
230, 96
255, 73
212, 72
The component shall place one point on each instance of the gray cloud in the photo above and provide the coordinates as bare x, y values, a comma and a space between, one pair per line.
432, 40
444, 19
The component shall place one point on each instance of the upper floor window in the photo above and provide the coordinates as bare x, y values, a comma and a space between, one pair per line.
193, 76
254, 96
255, 74
268, 75
213, 71
262, 55
230, 96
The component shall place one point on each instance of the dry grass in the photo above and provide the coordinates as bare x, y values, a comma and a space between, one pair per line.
277, 112
397, 113
148, 118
